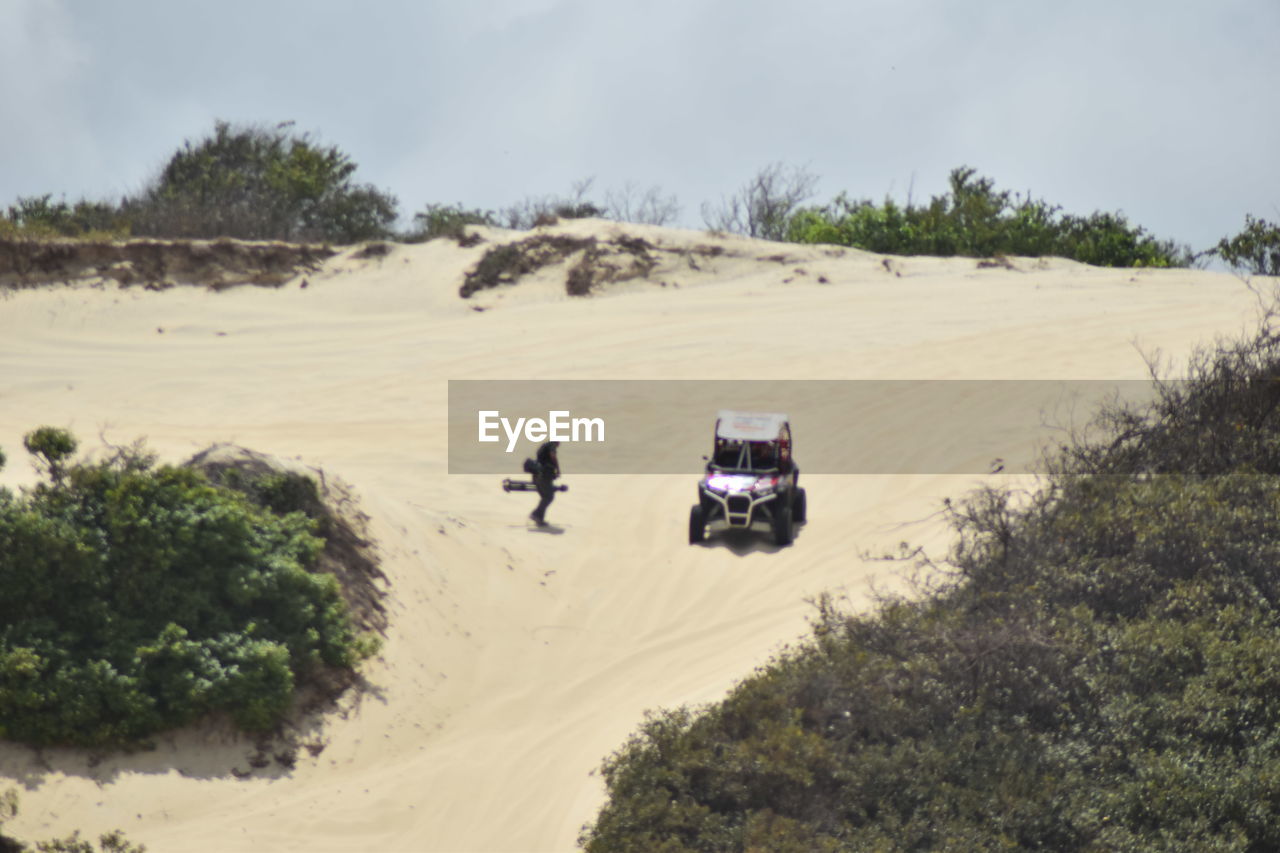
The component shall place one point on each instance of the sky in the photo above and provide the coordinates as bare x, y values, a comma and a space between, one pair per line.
1164, 110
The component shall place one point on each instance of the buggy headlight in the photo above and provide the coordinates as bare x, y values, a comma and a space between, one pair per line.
765, 487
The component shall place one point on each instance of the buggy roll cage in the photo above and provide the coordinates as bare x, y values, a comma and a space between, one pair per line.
751, 443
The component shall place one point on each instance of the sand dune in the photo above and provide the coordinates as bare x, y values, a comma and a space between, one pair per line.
516, 661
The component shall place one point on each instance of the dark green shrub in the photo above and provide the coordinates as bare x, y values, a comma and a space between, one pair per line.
260, 184
440, 220
52, 446
281, 492
577, 210
135, 598
40, 216
1256, 249
973, 219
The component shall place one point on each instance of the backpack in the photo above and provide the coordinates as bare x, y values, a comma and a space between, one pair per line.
531, 467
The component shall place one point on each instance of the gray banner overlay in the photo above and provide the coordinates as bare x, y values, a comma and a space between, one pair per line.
839, 426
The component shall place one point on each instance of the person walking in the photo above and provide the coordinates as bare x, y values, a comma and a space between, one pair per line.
544, 477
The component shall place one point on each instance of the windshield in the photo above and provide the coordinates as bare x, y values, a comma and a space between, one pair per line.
752, 456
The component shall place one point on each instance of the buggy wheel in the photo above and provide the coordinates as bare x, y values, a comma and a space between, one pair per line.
697, 525
782, 532
800, 509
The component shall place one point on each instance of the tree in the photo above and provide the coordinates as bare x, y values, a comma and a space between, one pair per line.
645, 206
257, 183
51, 446
1256, 249
765, 205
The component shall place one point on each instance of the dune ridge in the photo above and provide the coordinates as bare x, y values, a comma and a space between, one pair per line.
515, 661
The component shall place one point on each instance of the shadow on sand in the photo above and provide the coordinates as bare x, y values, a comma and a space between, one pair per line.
210, 749
744, 542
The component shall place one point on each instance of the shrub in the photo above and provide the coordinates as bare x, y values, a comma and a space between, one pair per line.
1256, 249
973, 219
52, 446
439, 220
545, 210
257, 183
40, 217
136, 598
628, 204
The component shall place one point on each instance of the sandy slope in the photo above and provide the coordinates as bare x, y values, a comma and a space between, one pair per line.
517, 660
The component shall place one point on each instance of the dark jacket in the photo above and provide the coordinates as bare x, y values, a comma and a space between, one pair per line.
548, 464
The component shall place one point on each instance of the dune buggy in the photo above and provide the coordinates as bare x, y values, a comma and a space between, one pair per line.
751, 479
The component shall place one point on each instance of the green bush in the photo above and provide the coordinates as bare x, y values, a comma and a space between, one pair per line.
1095, 670
1256, 249
257, 183
136, 598
281, 492
52, 446
440, 220
40, 217
973, 219
246, 182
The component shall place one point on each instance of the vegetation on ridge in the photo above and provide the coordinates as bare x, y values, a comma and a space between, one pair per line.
246, 182
271, 183
260, 183
974, 219
1096, 670
1256, 249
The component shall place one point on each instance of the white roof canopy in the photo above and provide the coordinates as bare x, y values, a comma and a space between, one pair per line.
749, 426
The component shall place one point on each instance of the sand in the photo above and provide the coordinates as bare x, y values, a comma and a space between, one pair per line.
516, 661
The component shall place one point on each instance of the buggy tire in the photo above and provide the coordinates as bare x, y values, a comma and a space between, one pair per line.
800, 508
782, 530
697, 525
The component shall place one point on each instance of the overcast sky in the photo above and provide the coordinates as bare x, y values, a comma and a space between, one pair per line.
1163, 109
